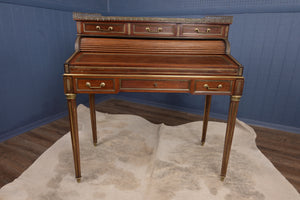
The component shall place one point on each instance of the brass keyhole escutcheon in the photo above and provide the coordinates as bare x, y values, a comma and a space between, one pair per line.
154, 84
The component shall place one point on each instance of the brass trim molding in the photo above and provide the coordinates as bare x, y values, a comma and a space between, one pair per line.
227, 48
236, 97
70, 96
153, 76
66, 68
77, 44
205, 20
69, 59
161, 70
68, 84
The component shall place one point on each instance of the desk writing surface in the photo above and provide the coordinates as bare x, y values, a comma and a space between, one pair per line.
156, 62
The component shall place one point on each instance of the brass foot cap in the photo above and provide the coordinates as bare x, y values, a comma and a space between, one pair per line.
95, 144
222, 178
78, 179
202, 143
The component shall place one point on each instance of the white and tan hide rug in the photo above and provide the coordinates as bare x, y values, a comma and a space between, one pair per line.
138, 160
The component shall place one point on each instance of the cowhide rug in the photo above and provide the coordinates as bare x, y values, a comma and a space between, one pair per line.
138, 160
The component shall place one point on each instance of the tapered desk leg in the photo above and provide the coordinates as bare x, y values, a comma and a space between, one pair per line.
233, 108
74, 133
93, 118
205, 118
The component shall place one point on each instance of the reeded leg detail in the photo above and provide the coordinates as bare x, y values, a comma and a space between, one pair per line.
233, 108
93, 118
205, 118
74, 132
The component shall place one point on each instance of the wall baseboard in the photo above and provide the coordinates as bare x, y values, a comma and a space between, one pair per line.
211, 114
290, 129
52, 118
31, 126
44, 121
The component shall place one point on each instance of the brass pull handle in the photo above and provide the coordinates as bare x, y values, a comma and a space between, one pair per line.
208, 88
198, 31
159, 29
102, 85
110, 28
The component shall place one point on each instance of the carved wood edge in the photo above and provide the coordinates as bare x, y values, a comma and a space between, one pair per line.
78, 16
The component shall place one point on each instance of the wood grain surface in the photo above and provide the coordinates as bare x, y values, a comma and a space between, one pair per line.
18, 153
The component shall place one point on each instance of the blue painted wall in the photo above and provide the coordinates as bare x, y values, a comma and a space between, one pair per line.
268, 45
265, 38
36, 39
38, 36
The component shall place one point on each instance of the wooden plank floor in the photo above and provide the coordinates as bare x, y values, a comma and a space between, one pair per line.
18, 153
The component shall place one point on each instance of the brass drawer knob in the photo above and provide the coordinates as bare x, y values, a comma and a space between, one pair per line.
102, 85
209, 88
110, 28
159, 29
88, 84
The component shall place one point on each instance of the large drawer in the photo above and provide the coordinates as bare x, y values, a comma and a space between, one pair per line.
155, 85
214, 86
101, 85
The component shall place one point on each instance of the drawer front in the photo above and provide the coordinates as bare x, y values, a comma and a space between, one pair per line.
144, 29
194, 30
105, 28
95, 85
214, 86
155, 85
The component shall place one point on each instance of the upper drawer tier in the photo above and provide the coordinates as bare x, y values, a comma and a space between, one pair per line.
139, 27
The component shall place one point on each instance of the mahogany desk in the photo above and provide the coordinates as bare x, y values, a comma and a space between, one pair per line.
140, 54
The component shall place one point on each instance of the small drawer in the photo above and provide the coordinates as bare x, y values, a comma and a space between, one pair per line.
144, 29
213, 86
155, 85
100, 85
105, 28
194, 30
